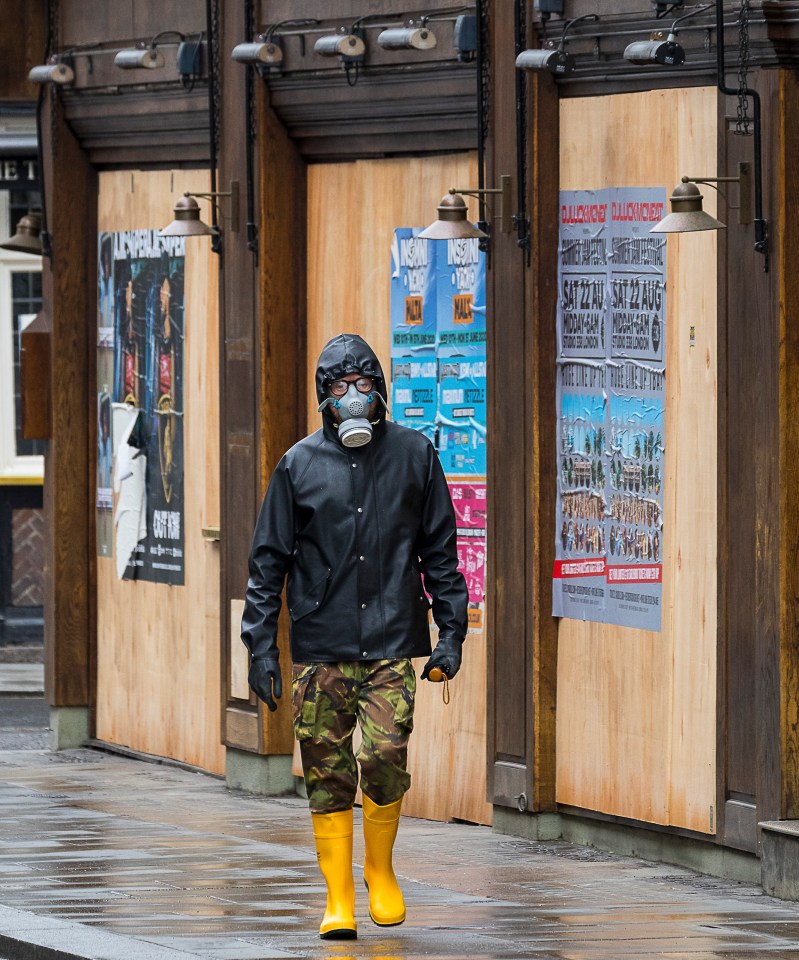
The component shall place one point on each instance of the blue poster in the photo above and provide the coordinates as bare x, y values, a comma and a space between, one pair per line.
413, 301
414, 389
461, 298
462, 416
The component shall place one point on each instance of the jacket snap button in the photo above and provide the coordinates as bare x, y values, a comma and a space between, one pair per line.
354, 466
363, 606
364, 654
361, 558
360, 509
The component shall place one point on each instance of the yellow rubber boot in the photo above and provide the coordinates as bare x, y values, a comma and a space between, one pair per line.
333, 835
386, 906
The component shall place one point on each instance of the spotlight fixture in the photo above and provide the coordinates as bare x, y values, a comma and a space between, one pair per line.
187, 222
668, 52
142, 56
407, 38
453, 224
27, 239
261, 52
556, 60
55, 71
347, 45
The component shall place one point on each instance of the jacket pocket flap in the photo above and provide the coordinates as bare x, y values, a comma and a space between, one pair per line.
312, 600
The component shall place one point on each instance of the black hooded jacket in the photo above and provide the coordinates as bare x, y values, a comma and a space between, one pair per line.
354, 529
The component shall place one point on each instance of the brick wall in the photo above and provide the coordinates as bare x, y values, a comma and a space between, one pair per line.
27, 550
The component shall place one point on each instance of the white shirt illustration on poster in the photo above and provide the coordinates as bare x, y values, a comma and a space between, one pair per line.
130, 519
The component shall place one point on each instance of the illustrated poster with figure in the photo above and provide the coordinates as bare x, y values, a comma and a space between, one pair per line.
143, 298
611, 407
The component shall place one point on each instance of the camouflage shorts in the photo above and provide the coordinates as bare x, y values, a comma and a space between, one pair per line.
328, 700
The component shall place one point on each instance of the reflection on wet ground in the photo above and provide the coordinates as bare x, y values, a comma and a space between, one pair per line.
174, 858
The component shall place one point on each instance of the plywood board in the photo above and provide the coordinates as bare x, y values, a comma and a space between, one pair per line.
353, 209
158, 650
636, 723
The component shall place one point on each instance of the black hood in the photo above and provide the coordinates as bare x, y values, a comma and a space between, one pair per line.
347, 353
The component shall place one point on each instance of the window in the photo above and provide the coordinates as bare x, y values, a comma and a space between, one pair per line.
21, 460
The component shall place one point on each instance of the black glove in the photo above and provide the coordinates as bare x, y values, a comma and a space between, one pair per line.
264, 677
446, 656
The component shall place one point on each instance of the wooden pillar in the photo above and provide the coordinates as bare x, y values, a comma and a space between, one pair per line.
540, 305
282, 396
785, 243
262, 356
238, 361
522, 632
69, 291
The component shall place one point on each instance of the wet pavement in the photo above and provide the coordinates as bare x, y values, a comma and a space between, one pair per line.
24, 721
96, 847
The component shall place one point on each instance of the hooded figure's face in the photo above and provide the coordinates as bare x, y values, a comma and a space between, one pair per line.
350, 388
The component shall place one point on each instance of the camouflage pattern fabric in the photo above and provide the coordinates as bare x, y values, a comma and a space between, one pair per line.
328, 700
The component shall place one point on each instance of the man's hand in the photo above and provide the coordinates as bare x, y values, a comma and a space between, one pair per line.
446, 656
264, 679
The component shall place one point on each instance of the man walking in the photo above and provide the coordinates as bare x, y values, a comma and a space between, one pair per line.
355, 516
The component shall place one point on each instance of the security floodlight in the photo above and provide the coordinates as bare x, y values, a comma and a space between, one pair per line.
555, 60
668, 52
138, 58
407, 38
263, 52
347, 45
558, 62
54, 72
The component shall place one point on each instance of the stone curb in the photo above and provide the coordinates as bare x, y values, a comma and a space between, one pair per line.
28, 936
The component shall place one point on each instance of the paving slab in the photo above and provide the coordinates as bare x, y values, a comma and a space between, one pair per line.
167, 859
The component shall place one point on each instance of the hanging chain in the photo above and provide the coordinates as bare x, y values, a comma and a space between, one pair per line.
216, 98
743, 119
485, 72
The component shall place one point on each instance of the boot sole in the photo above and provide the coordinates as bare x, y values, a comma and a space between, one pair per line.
342, 934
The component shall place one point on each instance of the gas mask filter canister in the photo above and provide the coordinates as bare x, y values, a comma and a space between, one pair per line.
354, 429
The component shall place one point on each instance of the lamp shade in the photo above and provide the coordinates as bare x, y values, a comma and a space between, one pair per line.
187, 222
27, 239
452, 223
687, 215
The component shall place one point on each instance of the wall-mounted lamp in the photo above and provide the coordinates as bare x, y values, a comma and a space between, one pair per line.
686, 201
261, 52
141, 57
453, 223
27, 239
555, 60
687, 215
407, 38
147, 56
187, 222
349, 46
55, 71
668, 52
